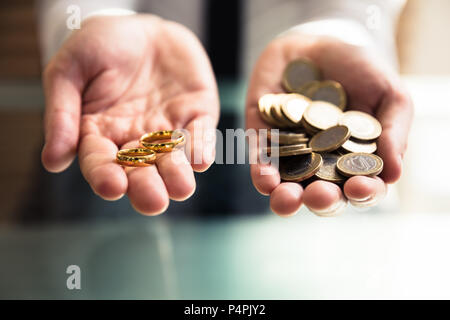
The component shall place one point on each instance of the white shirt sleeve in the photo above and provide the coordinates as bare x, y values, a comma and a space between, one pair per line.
370, 24
57, 19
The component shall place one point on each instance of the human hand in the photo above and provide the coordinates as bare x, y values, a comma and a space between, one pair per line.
112, 81
371, 87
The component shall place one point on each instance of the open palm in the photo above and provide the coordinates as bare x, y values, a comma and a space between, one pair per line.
371, 87
115, 79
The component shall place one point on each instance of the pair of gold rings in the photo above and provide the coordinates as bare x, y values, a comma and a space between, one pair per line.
151, 144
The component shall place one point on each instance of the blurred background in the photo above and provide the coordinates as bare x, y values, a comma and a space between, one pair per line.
216, 246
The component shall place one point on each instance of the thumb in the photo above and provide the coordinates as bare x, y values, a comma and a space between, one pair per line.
62, 89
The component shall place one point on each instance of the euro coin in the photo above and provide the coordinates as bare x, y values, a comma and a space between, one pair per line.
330, 91
280, 121
299, 168
294, 106
322, 115
276, 113
362, 125
308, 129
328, 170
330, 139
359, 146
359, 164
262, 102
287, 138
289, 150
308, 86
295, 152
268, 113
298, 73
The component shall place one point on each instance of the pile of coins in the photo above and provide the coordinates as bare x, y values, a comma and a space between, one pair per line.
319, 138
151, 144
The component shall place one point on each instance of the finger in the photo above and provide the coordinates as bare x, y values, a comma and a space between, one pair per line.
286, 198
97, 162
146, 189
364, 191
265, 178
177, 175
324, 198
395, 115
201, 142
62, 89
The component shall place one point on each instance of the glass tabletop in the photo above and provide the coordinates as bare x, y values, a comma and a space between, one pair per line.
369, 254
223, 243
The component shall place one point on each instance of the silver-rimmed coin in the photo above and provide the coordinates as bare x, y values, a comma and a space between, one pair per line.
299, 168
322, 115
330, 139
330, 91
328, 171
362, 125
359, 146
298, 73
359, 164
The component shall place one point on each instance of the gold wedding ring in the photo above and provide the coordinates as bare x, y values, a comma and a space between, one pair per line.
136, 157
176, 139
146, 154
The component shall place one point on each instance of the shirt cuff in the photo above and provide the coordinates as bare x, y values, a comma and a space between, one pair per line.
347, 31
350, 32
110, 12
56, 36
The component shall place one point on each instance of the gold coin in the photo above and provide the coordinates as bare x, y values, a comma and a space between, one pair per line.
322, 115
330, 91
261, 106
361, 125
299, 168
262, 101
289, 150
294, 106
264, 105
359, 164
271, 111
309, 130
295, 152
276, 113
359, 146
308, 86
298, 73
287, 138
135, 157
328, 170
330, 139
277, 119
